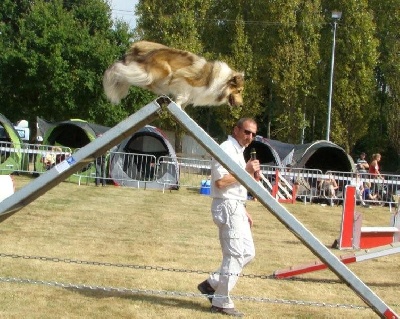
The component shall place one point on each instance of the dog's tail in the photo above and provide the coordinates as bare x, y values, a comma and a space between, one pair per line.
120, 76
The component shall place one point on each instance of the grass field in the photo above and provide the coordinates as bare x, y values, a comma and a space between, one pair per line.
113, 252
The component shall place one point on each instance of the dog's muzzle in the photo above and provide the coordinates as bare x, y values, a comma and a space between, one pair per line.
235, 100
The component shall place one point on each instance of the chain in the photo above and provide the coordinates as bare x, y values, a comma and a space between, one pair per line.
161, 268
140, 267
175, 293
161, 292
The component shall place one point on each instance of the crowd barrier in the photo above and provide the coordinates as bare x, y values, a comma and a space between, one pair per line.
141, 169
305, 180
192, 172
30, 158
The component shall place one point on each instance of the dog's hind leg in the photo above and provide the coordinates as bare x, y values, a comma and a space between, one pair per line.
181, 100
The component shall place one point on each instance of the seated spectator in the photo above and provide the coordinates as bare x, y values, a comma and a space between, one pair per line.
329, 186
50, 158
359, 189
368, 195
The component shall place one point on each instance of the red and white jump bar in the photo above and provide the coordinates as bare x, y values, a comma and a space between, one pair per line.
346, 259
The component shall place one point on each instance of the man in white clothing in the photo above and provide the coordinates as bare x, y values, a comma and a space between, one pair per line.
229, 213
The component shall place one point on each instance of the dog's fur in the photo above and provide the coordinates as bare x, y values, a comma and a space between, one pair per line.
188, 78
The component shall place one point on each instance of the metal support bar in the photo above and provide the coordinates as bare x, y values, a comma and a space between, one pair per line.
280, 212
78, 160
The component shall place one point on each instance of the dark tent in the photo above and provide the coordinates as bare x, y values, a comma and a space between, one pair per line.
11, 155
266, 152
72, 134
322, 155
136, 161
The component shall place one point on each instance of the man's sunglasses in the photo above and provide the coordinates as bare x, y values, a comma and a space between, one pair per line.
247, 132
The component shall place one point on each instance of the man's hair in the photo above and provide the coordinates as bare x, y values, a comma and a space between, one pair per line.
240, 123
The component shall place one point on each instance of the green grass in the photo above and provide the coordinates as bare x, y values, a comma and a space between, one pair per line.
172, 233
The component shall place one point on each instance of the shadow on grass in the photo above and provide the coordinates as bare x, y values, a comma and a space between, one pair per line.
193, 190
167, 301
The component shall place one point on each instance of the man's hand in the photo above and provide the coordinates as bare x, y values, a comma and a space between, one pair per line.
252, 166
250, 219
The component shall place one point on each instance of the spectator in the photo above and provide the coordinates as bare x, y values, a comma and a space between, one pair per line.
362, 164
100, 164
368, 195
100, 170
375, 172
50, 158
329, 186
359, 190
374, 166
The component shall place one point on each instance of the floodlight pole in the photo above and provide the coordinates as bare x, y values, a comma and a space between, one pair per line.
336, 15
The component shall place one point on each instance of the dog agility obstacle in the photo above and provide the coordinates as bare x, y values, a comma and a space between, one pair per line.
346, 259
145, 115
283, 191
354, 236
376, 241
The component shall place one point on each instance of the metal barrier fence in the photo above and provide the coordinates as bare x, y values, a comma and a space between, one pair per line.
192, 172
313, 185
139, 170
30, 158
385, 190
132, 169
305, 180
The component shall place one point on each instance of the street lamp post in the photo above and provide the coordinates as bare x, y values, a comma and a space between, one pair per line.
336, 15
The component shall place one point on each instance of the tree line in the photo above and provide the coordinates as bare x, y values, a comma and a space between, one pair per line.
54, 53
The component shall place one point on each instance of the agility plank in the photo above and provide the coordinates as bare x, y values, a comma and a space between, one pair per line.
280, 212
346, 259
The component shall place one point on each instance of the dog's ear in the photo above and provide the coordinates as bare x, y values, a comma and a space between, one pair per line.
237, 80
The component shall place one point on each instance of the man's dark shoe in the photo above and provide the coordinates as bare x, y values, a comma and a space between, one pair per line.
206, 289
227, 311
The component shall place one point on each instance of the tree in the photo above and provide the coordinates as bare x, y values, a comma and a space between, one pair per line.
387, 72
354, 80
293, 65
53, 58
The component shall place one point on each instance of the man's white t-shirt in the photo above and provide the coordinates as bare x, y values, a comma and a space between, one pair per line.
236, 190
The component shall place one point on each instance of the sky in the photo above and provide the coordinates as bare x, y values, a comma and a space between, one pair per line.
125, 10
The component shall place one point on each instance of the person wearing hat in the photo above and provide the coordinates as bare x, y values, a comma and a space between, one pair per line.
362, 164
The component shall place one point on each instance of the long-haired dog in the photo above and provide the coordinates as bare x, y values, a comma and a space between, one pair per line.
186, 77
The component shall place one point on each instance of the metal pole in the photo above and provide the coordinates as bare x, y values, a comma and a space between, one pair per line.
328, 125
